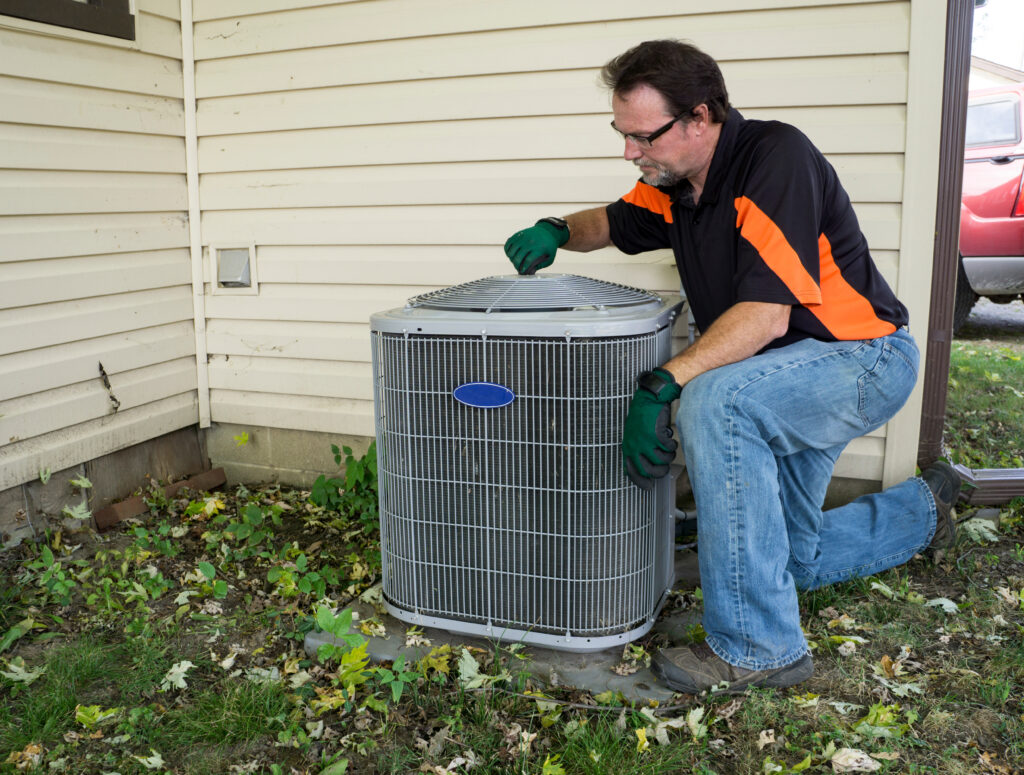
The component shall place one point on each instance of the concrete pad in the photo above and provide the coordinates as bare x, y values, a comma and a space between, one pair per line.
991, 516
592, 672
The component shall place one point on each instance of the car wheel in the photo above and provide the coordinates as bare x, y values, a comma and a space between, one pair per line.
963, 298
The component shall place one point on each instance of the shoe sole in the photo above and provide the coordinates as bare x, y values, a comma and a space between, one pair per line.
798, 672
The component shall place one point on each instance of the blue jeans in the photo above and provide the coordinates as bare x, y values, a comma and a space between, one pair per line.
761, 439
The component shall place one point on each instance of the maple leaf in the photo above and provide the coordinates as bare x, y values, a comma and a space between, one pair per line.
175, 678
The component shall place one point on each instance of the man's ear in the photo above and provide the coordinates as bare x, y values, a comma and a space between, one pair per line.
701, 115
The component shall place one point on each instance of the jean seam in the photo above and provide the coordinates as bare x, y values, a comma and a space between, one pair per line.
933, 510
735, 522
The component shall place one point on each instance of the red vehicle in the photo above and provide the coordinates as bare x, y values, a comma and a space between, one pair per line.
992, 204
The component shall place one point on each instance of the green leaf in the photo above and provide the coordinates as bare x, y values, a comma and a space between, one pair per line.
469, 671
337, 768
325, 619
47, 556
325, 651
19, 673
220, 588
81, 483
253, 514
207, 570
551, 765
301, 562
78, 511
90, 716
21, 628
801, 766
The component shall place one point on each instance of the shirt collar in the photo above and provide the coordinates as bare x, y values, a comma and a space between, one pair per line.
719, 163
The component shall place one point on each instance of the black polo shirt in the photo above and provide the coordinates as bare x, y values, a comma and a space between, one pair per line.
773, 225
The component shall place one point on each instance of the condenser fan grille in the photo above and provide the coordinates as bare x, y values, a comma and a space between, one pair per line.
533, 293
518, 516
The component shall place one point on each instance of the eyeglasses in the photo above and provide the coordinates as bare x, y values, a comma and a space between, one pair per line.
645, 141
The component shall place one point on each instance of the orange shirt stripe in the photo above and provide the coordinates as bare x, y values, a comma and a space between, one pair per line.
650, 198
848, 314
769, 241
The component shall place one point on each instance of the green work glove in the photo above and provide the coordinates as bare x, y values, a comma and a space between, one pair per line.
647, 443
534, 248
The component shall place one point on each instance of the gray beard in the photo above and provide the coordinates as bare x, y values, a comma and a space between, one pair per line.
662, 177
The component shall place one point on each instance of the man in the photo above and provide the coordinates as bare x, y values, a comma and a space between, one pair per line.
803, 348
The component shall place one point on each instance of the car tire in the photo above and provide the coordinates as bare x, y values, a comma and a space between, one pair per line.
963, 298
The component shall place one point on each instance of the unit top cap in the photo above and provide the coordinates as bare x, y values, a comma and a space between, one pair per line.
533, 293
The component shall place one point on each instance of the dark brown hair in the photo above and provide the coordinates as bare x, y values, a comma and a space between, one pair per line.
683, 74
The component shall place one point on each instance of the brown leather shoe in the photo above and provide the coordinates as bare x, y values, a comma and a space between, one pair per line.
944, 483
695, 669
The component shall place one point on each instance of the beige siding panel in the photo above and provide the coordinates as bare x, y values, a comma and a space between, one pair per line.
861, 80
867, 178
64, 407
168, 9
86, 64
52, 193
736, 40
54, 104
40, 282
158, 35
437, 225
56, 236
337, 304
28, 328
34, 371
876, 129
206, 10
862, 459
423, 265
288, 376
303, 413
56, 148
23, 460
288, 339
360, 22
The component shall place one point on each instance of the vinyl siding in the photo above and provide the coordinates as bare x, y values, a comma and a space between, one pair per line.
372, 151
94, 261
370, 162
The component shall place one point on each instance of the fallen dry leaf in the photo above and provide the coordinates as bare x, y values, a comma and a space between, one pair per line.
852, 760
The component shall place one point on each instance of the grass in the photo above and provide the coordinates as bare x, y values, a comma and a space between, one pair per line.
174, 646
985, 400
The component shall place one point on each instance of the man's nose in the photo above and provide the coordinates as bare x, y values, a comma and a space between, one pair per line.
632, 151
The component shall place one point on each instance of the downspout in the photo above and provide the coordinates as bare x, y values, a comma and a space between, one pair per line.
188, 68
985, 486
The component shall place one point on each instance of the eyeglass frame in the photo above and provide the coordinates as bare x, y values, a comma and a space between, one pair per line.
646, 141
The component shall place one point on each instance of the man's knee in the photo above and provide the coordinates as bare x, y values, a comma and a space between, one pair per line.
706, 401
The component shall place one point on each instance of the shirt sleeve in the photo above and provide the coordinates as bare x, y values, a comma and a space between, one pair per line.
640, 220
778, 215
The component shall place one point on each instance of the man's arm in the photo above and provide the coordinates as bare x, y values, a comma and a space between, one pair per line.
588, 230
740, 332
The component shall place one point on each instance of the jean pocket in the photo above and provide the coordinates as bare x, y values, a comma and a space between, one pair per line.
884, 388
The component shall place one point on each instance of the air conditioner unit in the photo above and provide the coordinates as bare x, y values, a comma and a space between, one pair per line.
504, 509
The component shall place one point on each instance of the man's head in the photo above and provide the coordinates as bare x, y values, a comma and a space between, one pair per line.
683, 74
669, 101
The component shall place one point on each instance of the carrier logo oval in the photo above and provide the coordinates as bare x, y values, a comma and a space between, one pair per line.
484, 395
